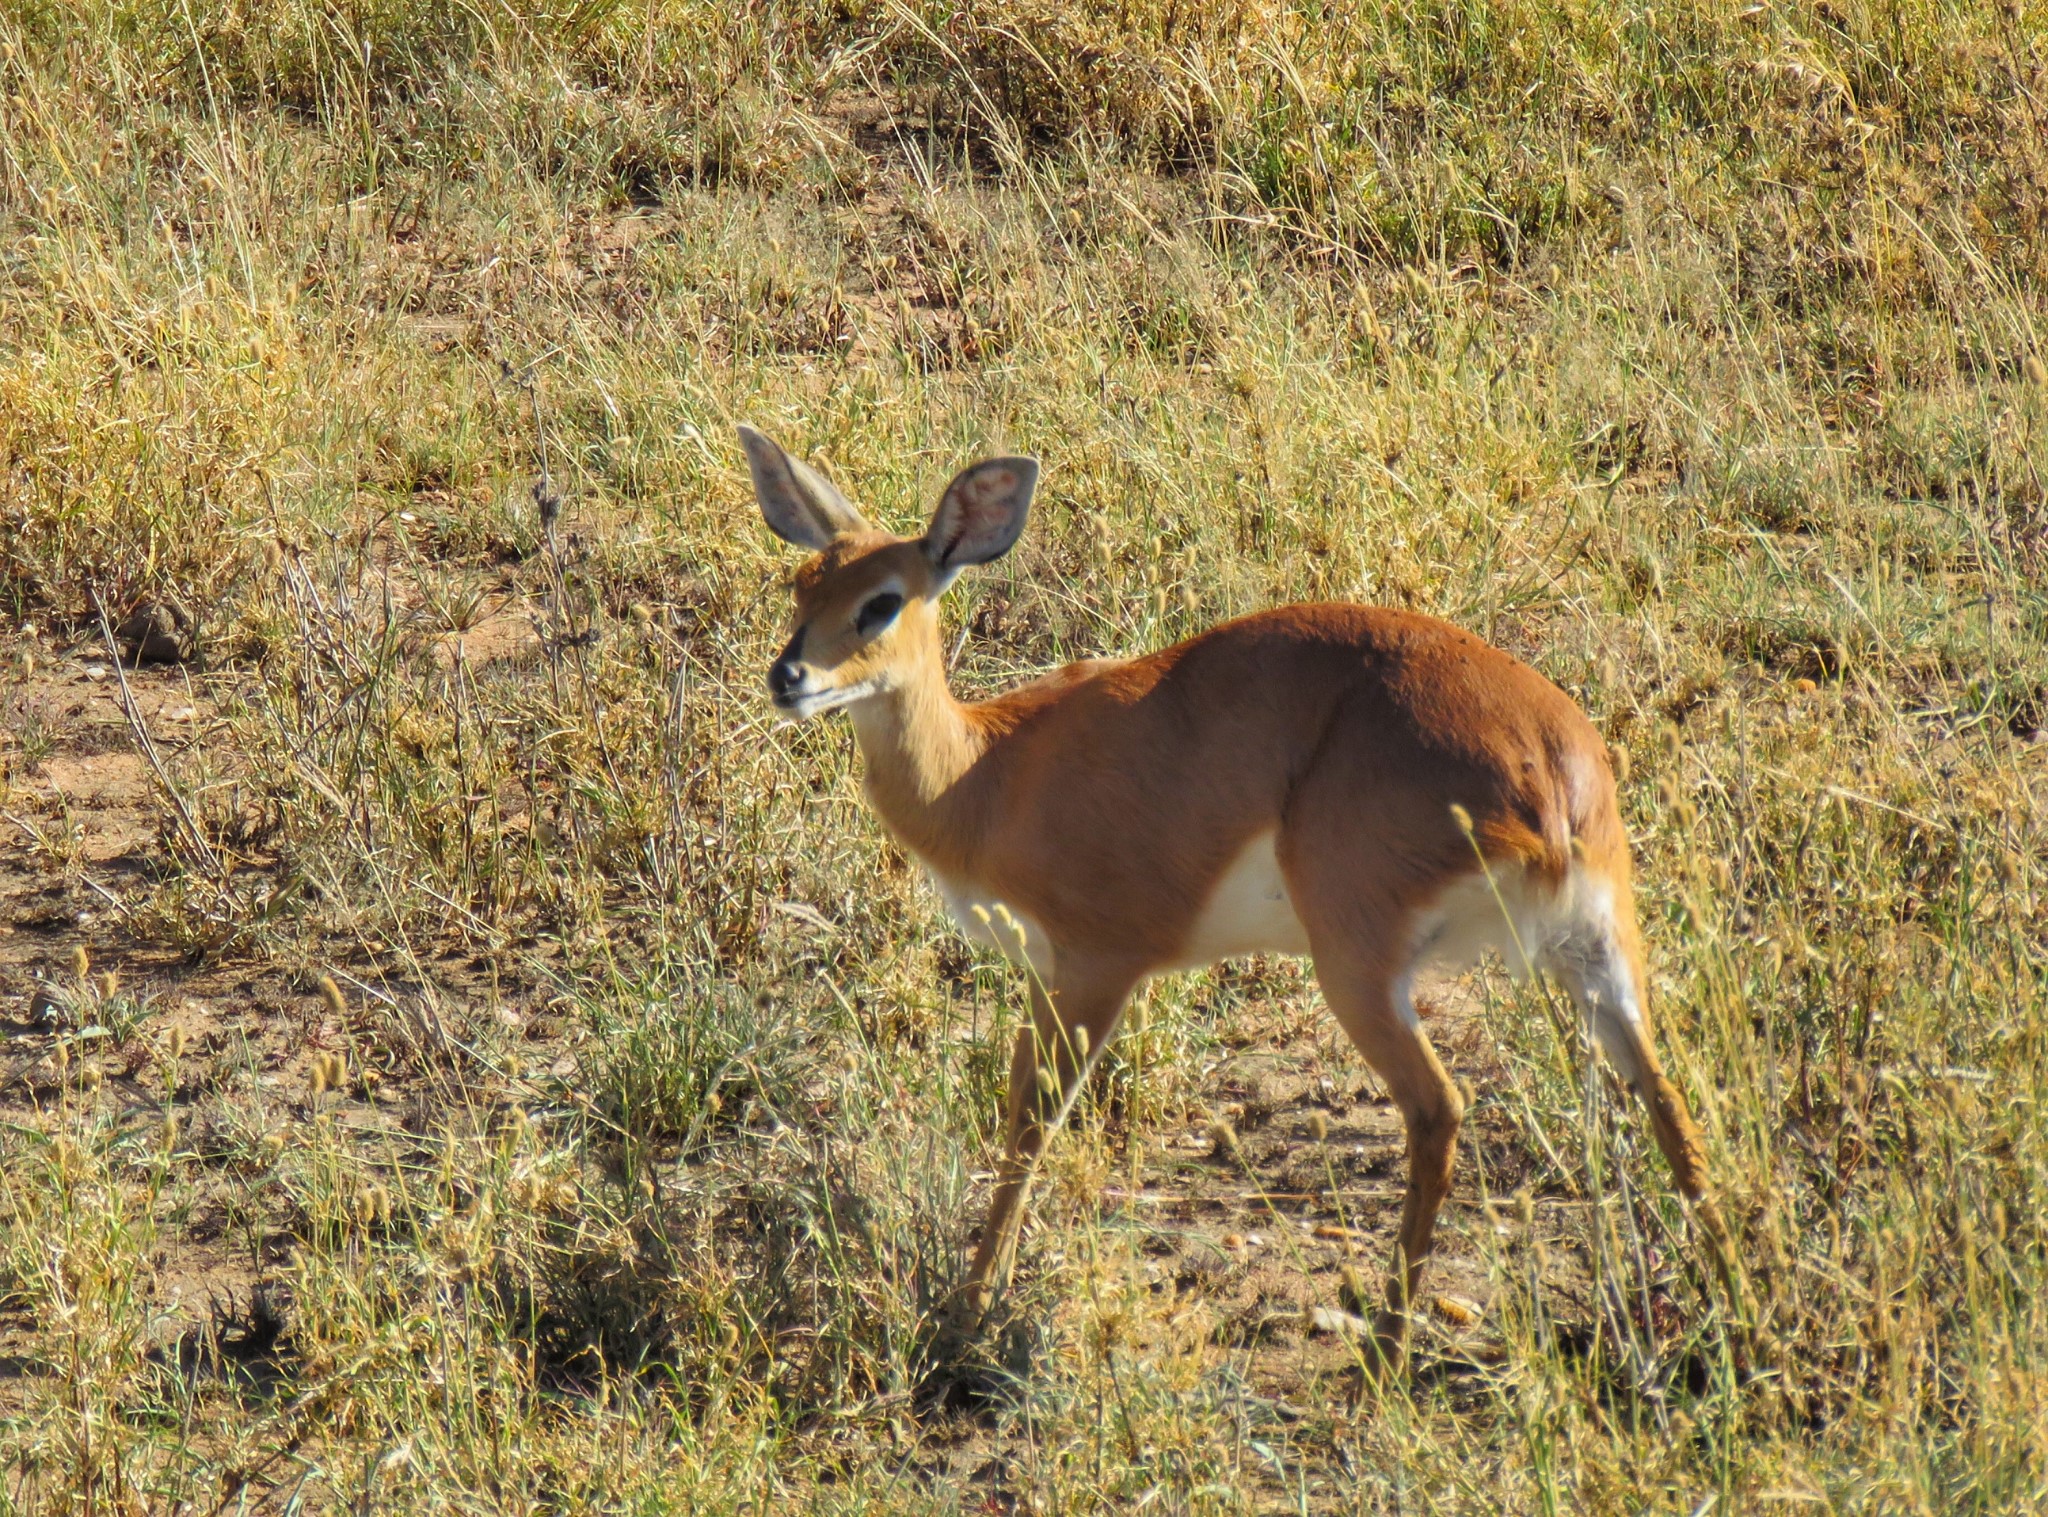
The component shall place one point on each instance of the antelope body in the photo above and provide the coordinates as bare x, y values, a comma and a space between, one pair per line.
1320, 779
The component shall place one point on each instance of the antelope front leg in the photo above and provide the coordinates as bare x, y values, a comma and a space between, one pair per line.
1071, 1023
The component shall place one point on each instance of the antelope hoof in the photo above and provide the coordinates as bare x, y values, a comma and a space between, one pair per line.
955, 1376
964, 1317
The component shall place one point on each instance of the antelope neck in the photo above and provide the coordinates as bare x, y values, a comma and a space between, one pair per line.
918, 743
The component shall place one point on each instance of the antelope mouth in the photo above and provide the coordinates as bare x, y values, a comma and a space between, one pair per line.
802, 705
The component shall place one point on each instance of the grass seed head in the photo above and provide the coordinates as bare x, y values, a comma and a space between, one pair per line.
329, 1072
1318, 1127
331, 997
107, 984
81, 963
2037, 371
1223, 1135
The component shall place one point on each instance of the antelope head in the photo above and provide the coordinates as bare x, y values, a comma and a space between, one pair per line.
866, 616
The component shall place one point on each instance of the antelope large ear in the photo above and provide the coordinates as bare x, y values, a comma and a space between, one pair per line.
800, 505
980, 514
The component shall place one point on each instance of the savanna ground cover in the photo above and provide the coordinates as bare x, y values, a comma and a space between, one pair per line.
462, 1055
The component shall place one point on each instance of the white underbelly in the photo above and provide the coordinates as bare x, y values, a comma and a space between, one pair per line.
1248, 911
986, 919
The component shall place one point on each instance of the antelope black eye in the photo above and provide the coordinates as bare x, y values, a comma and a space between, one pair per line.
878, 612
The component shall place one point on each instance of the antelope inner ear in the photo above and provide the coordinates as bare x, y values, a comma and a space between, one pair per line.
981, 513
799, 504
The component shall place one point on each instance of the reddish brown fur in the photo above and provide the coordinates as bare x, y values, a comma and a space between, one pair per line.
1105, 801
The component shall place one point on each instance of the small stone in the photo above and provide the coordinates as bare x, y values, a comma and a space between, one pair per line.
1327, 1319
45, 1005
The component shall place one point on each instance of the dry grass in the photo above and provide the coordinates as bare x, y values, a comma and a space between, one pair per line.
1695, 354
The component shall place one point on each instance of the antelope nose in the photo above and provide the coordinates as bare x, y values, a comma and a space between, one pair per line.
784, 675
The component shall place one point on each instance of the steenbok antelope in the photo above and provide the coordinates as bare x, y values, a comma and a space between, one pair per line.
1319, 779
